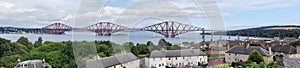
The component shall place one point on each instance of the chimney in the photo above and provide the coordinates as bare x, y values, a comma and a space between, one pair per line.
270, 50
247, 44
228, 46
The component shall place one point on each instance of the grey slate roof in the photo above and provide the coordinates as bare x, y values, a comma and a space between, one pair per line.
176, 53
291, 62
111, 61
285, 49
118, 59
247, 50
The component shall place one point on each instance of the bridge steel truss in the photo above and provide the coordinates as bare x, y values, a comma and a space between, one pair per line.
57, 28
171, 28
105, 28
167, 28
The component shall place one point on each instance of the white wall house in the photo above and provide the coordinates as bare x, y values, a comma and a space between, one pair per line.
127, 60
175, 58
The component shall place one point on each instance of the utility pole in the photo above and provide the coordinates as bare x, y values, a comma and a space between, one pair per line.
228, 35
203, 35
239, 36
203, 39
247, 35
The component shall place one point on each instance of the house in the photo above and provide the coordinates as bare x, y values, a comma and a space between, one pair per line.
287, 51
291, 62
175, 58
233, 43
241, 53
217, 49
127, 60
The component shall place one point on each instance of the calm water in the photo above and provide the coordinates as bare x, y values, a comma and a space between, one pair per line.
119, 37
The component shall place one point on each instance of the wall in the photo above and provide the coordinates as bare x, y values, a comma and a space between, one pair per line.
131, 64
155, 62
180, 61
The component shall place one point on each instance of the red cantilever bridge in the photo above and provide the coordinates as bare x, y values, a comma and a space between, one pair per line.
167, 28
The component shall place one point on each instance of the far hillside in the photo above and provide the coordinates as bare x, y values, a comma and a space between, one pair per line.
269, 31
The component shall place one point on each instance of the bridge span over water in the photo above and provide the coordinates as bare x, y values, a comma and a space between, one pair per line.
166, 28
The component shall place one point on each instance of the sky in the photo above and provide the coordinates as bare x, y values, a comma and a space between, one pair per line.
237, 14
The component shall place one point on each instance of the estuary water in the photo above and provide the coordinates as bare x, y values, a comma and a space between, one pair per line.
120, 37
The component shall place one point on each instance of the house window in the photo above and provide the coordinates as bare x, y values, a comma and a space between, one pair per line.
229, 54
159, 65
163, 64
176, 58
182, 57
169, 58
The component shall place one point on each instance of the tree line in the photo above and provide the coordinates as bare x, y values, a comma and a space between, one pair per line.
266, 33
61, 55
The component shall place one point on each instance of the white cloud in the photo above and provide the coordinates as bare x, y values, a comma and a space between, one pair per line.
36, 13
44, 12
6, 5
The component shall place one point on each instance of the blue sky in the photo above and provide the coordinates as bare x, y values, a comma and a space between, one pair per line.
281, 16
238, 14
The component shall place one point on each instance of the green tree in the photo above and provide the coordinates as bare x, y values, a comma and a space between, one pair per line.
56, 59
134, 50
143, 48
24, 41
101, 54
8, 49
34, 54
163, 43
38, 43
57, 54
9, 61
255, 56
2, 41
107, 50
